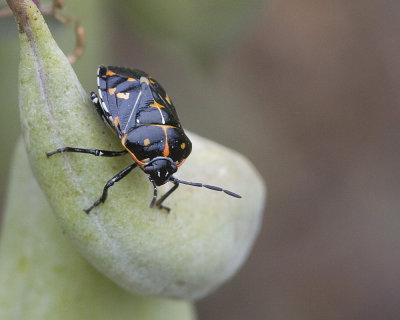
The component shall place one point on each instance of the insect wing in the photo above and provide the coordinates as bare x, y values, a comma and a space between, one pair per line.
161, 97
122, 94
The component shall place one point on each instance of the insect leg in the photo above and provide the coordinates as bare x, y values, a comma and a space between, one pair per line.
95, 152
166, 195
154, 194
110, 183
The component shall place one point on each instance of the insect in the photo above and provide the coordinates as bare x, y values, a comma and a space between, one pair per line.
136, 108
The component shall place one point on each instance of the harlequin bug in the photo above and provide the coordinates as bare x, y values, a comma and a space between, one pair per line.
135, 107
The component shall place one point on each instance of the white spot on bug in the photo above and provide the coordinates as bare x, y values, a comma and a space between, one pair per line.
98, 82
162, 117
159, 175
144, 80
95, 100
104, 107
123, 95
146, 142
133, 110
101, 153
137, 121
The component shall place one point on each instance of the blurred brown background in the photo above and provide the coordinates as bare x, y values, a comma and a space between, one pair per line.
308, 90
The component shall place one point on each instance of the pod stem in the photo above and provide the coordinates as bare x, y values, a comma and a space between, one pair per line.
18, 7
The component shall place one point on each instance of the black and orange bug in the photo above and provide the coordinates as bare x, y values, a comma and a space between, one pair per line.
135, 107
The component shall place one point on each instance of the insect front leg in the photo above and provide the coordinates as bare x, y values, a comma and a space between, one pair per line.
159, 202
110, 183
153, 201
165, 196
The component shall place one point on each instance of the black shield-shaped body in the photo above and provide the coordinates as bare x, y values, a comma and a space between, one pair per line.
138, 109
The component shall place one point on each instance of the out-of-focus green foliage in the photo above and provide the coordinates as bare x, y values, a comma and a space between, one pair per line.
9, 121
202, 27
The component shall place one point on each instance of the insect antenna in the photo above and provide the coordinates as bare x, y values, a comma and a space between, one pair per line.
197, 184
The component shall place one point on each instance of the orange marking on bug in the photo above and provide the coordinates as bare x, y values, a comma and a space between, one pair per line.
180, 163
152, 81
140, 163
130, 79
166, 147
183, 145
146, 142
168, 99
116, 121
123, 95
155, 104
111, 90
161, 125
110, 73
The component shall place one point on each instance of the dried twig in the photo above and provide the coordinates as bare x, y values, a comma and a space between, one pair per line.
53, 10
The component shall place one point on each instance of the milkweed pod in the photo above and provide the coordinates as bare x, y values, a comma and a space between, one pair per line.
185, 254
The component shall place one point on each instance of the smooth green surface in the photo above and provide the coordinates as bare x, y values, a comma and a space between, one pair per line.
186, 254
204, 28
42, 276
9, 122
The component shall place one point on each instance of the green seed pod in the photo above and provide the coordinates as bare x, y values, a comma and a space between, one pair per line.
184, 254
42, 276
